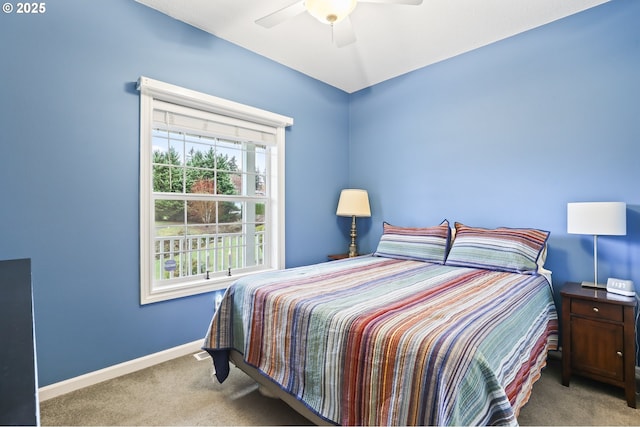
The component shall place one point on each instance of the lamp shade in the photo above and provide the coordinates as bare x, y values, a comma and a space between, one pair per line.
330, 11
353, 202
597, 218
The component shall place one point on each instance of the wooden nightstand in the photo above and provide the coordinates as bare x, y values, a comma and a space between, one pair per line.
598, 337
336, 257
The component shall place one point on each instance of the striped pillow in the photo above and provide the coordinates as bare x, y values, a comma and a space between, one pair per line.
422, 244
505, 249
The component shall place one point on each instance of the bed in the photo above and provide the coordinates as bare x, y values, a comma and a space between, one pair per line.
422, 332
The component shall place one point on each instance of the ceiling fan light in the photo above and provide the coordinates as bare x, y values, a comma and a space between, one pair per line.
330, 11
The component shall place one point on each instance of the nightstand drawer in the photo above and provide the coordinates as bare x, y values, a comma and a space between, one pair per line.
597, 310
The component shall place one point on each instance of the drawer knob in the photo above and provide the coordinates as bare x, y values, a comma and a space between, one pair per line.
596, 309
619, 353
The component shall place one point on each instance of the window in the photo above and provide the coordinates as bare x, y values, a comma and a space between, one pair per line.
211, 191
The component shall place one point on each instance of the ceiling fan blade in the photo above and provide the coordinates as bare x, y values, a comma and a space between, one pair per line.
281, 15
408, 2
343, 33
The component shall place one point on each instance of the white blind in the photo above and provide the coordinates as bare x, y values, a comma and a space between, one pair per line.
190, 120
178, 108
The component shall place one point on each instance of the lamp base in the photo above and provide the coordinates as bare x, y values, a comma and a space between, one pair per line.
594, 285
353, 251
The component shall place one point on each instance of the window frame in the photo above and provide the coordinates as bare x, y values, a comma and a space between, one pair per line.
152, 91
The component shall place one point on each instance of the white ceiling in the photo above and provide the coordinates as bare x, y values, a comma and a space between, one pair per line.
391, 39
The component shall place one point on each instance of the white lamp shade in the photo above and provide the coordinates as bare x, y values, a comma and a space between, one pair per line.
353, 202
597, 218
330, 11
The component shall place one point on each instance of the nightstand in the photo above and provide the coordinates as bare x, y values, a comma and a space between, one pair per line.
598, 337
336, 257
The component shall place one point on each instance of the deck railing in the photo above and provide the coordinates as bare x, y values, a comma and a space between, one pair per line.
192, 255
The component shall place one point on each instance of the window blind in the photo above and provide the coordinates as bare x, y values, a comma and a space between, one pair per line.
169, 116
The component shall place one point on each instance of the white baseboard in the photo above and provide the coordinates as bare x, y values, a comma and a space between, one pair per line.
91, 378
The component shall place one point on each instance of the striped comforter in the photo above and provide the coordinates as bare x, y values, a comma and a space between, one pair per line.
379, 341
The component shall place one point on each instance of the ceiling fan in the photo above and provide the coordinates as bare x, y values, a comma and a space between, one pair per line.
330, 12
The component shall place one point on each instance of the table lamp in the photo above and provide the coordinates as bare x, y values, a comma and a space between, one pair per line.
597, 219
353, 203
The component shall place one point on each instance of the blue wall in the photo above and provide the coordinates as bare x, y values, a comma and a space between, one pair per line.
69, 168
504, 135
508, 134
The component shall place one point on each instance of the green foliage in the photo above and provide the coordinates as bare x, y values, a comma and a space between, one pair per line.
203, 166
204, 173
167, 175
167, 178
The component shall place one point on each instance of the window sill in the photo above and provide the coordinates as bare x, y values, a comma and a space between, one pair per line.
165, 293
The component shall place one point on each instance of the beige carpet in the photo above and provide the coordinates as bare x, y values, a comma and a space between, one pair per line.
181, 393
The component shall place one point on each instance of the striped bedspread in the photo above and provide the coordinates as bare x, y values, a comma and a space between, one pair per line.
380, 341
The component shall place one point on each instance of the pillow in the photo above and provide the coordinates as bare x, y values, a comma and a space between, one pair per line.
422, 244
504, 249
